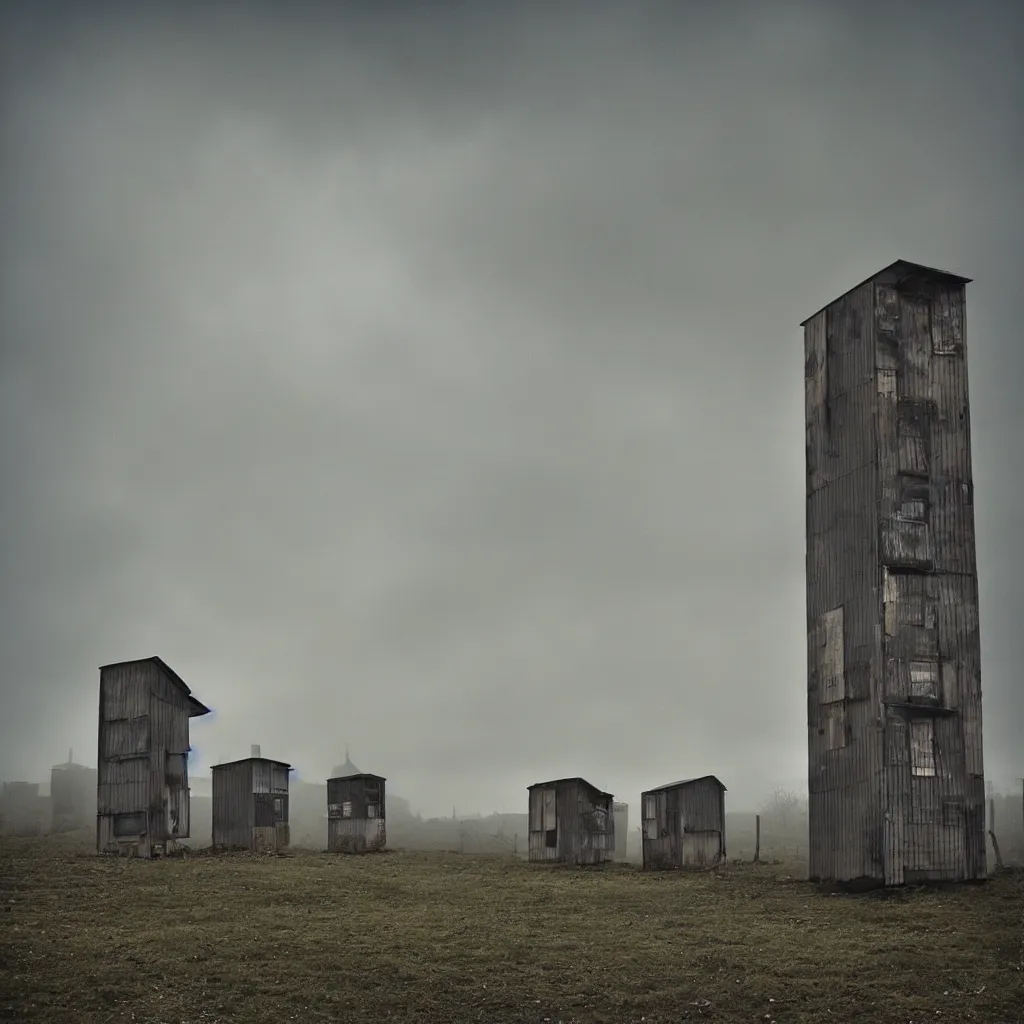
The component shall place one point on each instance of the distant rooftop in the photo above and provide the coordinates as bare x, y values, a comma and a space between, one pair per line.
686, 782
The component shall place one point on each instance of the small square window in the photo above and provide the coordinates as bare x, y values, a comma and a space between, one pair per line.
278, 807
371, 810
346, 809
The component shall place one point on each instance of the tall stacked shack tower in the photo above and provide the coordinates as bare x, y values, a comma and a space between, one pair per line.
897, 791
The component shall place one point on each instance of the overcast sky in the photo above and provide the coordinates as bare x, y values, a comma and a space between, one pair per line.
433, 384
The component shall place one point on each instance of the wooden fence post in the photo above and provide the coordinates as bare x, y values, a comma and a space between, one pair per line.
992, 833
757, 838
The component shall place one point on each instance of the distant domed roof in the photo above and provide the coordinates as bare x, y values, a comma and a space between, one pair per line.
348, 768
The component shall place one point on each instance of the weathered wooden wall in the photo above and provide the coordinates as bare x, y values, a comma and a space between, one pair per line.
356, 814
571, 822
684, 826
143, 745
894, 718
250, 805
234, 809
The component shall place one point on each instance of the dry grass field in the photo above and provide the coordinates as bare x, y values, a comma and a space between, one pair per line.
441, 938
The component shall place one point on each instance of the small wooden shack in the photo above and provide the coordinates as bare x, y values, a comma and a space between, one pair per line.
684, 824
571, 822
142, 781
21, 809
356, 813
250, 804
620, 812
72, 795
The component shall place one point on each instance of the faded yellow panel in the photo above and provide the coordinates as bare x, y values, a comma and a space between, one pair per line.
833, 665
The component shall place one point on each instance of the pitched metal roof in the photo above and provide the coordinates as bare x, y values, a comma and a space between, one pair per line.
900, 269
686, 782
575, 778
244, 760
197, 708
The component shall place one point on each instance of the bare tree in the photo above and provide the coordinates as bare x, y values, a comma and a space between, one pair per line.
785, 808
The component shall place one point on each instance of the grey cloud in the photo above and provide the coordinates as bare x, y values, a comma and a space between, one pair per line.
434, 383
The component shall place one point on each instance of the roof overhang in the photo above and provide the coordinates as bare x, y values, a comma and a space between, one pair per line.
895, 273
574, 778
688, 782
248, 760
195, 706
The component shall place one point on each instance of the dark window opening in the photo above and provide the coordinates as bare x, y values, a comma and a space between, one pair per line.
551, 838
129, 824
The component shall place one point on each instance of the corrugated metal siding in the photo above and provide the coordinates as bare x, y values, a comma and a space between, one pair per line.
350, 804
144, 724
684, 826
844, 741
234, 808
123, 756
900, 456
581, 820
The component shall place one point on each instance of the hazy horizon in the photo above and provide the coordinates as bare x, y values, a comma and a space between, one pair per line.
428, 381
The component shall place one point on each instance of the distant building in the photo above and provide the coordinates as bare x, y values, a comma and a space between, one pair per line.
72, 795
896, 776
250, 804
21, 809
620, 812
356, 814
571, 822
345, 770
143, 795
684, 824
